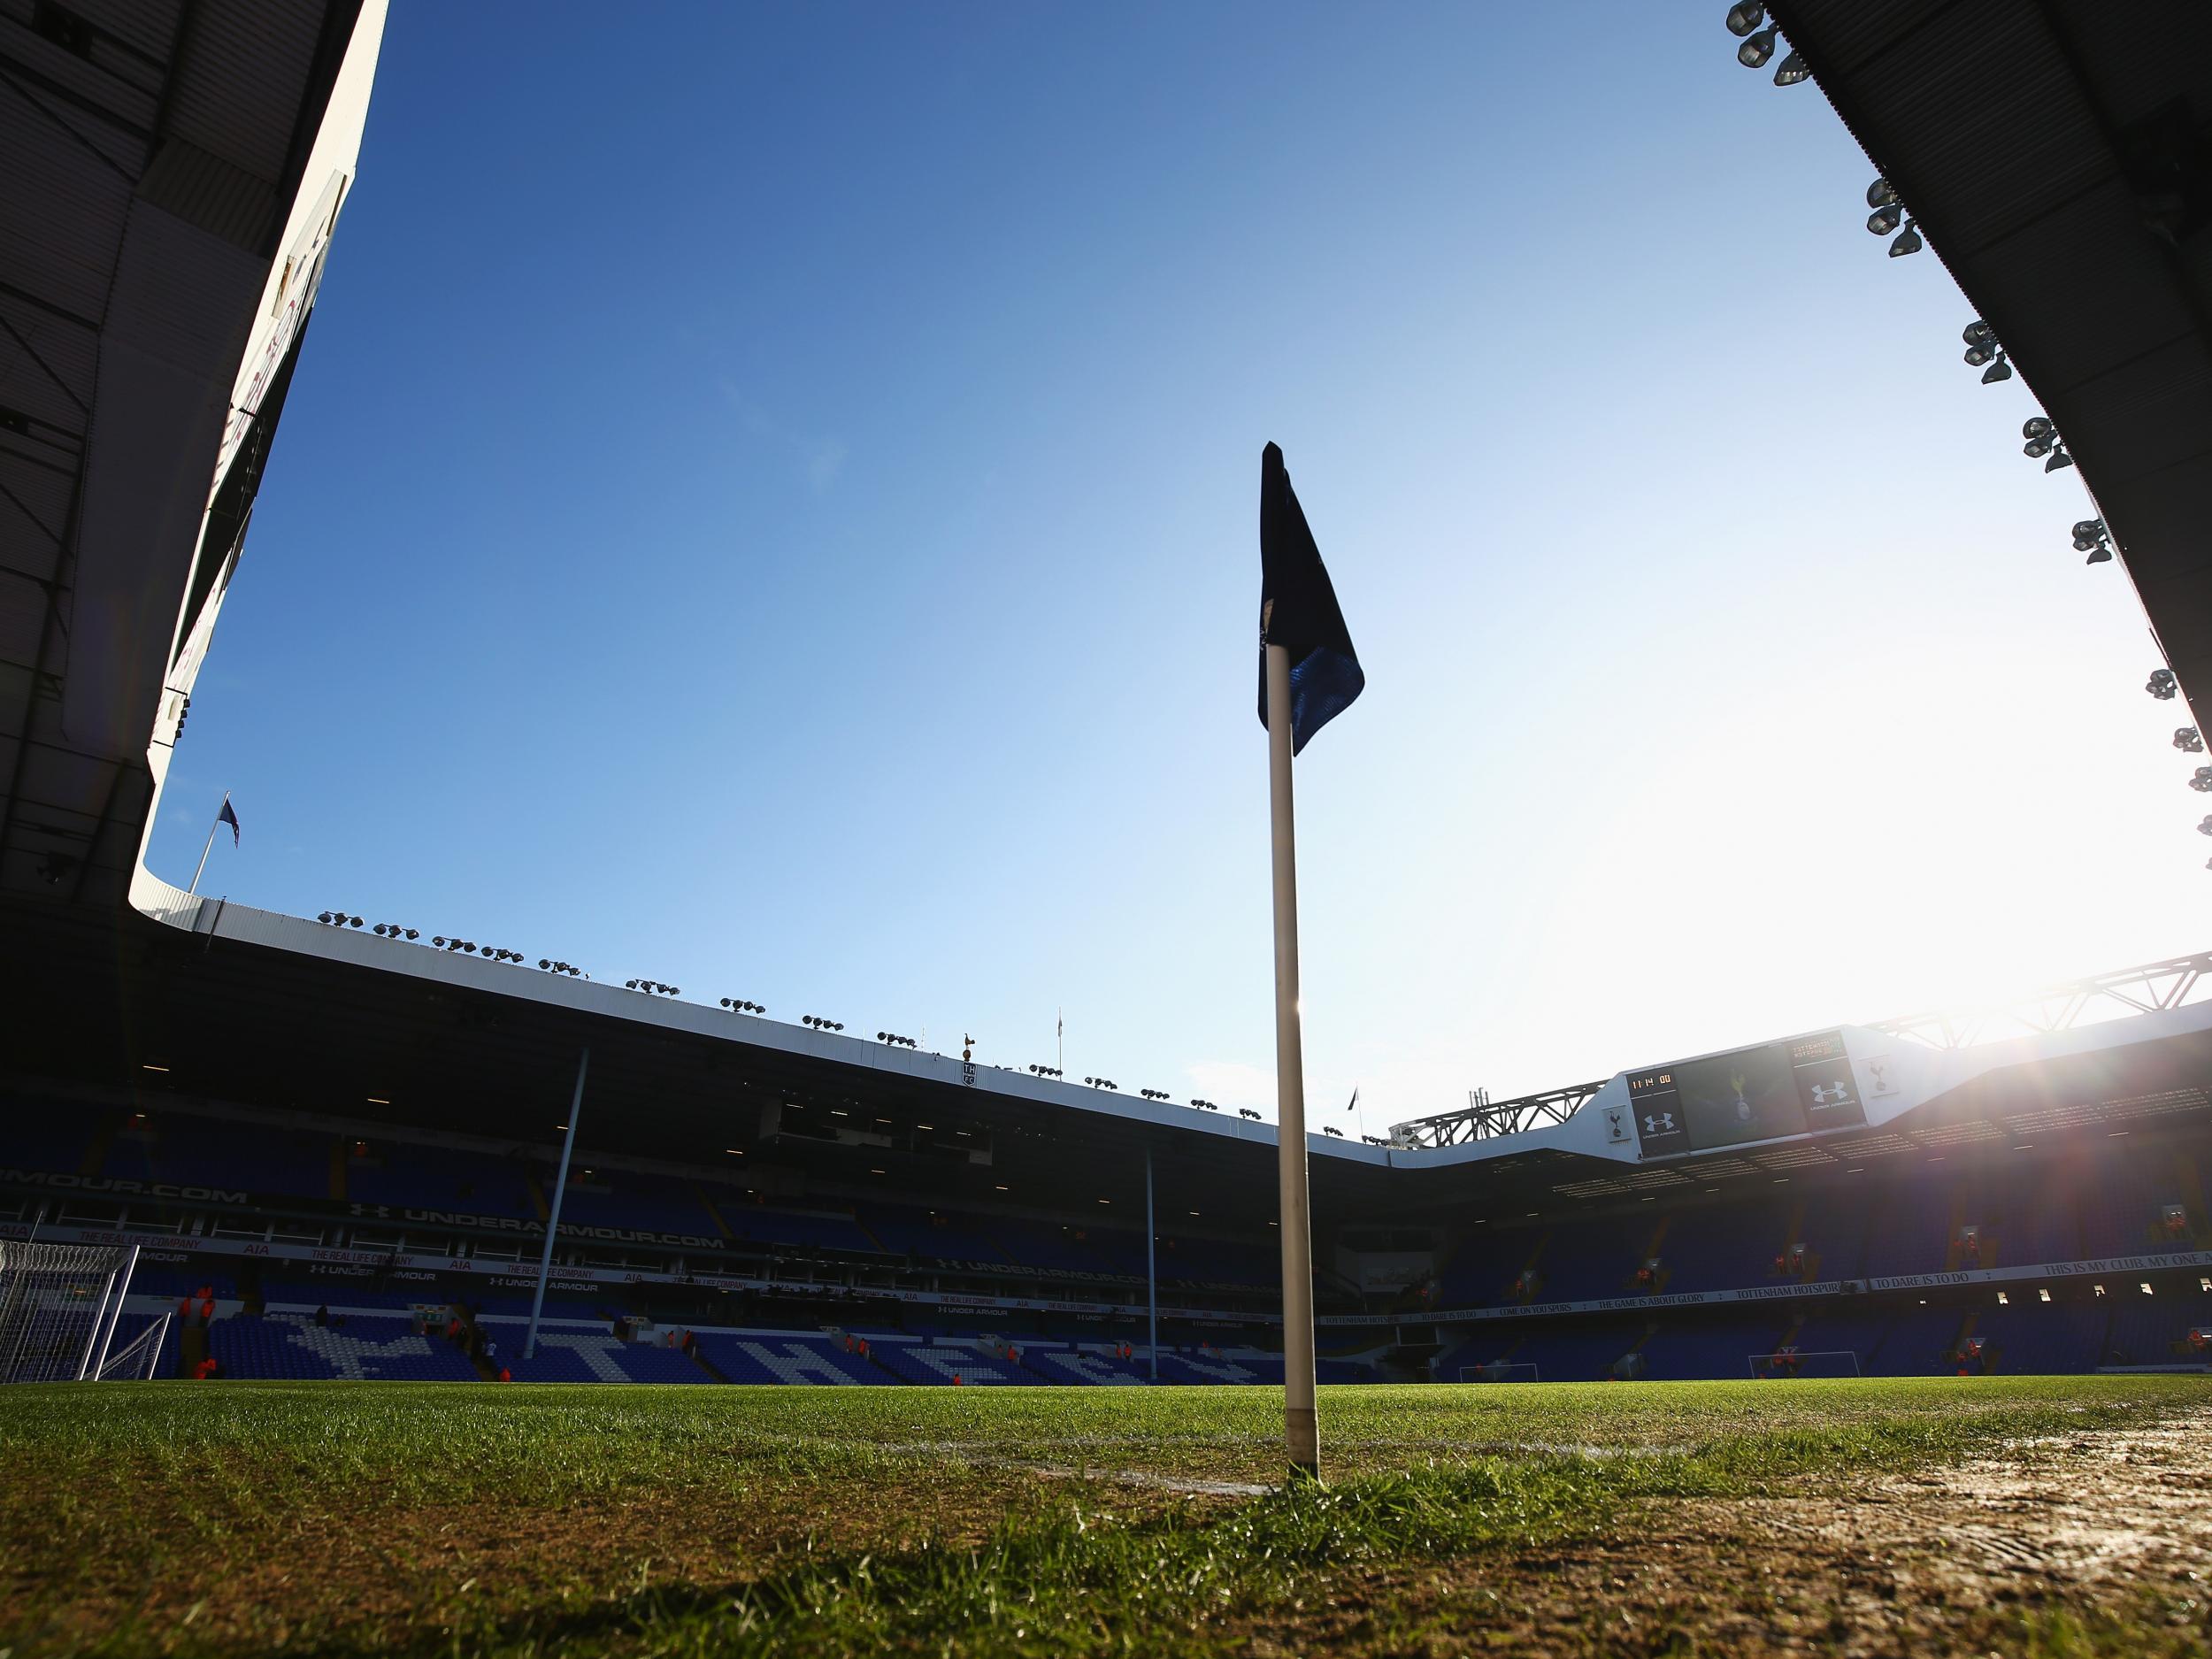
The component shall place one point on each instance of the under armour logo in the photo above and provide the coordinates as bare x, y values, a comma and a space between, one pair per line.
1653, 1124
1831, 1094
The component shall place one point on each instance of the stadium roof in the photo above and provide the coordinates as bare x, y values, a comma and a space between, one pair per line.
2057, 156
230, 1003
155, 152
2054, 158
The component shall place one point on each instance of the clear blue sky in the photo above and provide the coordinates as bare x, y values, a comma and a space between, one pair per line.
770, 504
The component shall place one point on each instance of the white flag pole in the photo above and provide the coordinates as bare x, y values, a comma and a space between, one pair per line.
210, 848
1301, 1426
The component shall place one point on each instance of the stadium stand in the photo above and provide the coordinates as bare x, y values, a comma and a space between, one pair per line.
1645, 1288
292, 1345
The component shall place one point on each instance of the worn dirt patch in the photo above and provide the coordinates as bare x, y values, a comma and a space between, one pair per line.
2112, 1530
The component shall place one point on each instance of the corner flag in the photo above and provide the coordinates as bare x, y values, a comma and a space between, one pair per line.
1298, 611
1309, 675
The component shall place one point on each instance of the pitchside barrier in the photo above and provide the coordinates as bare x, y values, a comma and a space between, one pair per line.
1502, 1371
59, 1308
1826, 1361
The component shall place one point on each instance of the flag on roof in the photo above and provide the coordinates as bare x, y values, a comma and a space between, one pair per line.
1298, 611
230, 816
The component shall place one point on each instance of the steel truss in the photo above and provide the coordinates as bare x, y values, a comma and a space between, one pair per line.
1486, 1118
2149, 988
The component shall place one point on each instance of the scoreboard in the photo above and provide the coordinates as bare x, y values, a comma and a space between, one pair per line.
1778, 1088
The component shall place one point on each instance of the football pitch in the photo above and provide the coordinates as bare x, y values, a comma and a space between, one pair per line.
2037, 1515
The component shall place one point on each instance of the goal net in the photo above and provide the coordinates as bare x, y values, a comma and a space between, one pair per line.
1827, 1361
59, 1304
1502, 1371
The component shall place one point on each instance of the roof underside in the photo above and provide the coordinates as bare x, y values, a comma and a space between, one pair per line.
2057, 154
152, 149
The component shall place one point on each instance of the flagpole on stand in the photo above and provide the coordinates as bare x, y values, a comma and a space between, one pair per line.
210, 848
1302, 1428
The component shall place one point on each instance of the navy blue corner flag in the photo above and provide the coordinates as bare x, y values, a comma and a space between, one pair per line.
229, 816
1298, 611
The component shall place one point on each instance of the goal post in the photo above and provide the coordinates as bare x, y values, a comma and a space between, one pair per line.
58, 1305
136, 1358
1822, 1362
1502, 1371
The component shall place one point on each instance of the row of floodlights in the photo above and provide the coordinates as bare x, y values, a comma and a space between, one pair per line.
2040, 433
739, 1005
1889, 215
1743, 18
2041, 442
569, 968
1984, 353
392, 929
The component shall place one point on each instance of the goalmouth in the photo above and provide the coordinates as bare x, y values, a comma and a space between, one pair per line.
1826, 1361
1502, 1371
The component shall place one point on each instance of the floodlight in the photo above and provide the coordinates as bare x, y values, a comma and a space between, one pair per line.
2161, 684
2036, 449
1908, 242
2001, 370
2202, 780
2059, 457
1981, 352
1792, 69
2187, 740
1881, 193
1883, 220
2205, 827
2039, 426
1745, 16
1754, 53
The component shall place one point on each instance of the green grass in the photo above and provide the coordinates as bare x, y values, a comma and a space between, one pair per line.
413, 1517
